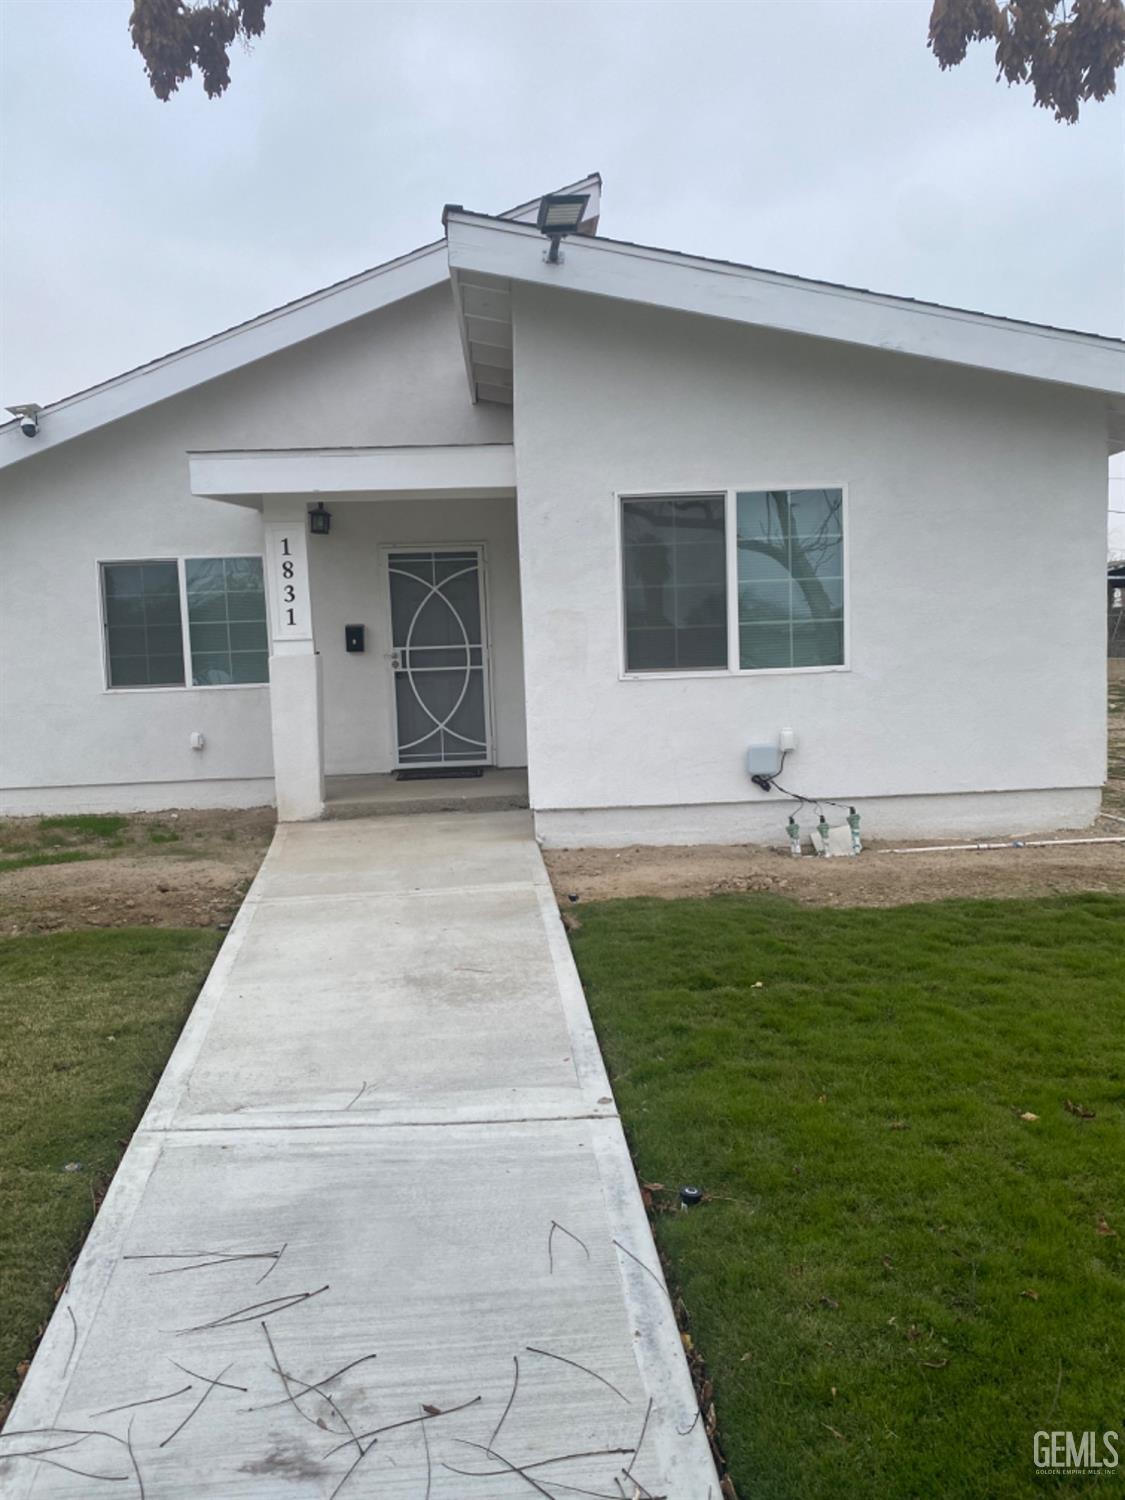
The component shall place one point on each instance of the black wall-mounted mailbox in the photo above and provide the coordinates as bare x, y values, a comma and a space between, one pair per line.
353, 638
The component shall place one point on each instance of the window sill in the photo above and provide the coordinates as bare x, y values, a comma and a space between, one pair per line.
727, 672
191, 687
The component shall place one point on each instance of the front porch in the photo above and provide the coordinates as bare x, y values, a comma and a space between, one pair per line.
395, 626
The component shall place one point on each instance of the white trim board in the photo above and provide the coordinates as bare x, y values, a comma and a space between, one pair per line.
420, 472
662, 278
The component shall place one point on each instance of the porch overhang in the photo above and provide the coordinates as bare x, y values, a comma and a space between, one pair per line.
445, 472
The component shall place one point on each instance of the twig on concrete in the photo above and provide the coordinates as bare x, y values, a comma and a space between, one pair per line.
211, 1384
511, 1398
306, 1389
73, 1336
511, 1467
67, 1468
429, 1416
133, 1458
574, 1489
205, 1260
363, 1452
686, 1431
546, 1353
254, 1312
10, 1432
550, 1237
148, 1401
79, 1434
628, 1469
429, 1460
644, 1268
271, 1269
364, 1086
315, 1386
54, 1448
226, 1385
289, 1396
540, 1463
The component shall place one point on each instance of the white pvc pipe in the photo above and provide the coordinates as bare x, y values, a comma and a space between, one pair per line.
1019, 844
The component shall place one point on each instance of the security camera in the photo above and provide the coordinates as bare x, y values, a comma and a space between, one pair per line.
27, 415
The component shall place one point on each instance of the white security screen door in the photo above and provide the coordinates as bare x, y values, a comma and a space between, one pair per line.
440, 656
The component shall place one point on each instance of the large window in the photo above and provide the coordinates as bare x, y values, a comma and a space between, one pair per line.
198, 620
738, 581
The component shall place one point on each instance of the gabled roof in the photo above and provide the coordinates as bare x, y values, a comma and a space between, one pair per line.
487, 254
269, 333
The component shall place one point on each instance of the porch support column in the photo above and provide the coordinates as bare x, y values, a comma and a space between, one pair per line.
296, 706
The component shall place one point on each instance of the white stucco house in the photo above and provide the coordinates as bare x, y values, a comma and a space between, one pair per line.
609, 512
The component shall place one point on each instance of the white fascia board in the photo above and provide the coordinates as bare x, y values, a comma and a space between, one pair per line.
453, 469
766, 299
225, 352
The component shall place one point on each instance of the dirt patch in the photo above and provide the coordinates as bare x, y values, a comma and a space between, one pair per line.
876, 878
185, 869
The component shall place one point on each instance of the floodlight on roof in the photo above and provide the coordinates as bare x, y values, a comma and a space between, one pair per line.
559, 215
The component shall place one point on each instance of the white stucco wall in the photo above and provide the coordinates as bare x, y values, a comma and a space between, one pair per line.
395, 377
976, 536
349, 586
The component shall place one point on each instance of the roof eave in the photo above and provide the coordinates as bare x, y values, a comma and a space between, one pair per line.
482, 245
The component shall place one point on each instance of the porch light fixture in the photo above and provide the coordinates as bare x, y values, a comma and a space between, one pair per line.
320, 520
559, 215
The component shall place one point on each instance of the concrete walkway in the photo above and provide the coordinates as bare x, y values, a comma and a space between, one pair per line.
383, 1159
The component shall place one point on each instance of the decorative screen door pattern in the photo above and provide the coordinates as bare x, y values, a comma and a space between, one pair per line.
440, 657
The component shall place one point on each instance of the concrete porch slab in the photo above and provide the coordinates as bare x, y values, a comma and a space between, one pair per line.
386, 1131
498, 789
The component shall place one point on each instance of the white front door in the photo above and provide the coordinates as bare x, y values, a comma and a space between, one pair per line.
440, 656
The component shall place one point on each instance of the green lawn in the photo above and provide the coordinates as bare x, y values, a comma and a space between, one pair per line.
898, 1279
87, 1021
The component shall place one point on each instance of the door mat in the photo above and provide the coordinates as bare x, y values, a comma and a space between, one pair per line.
436, 773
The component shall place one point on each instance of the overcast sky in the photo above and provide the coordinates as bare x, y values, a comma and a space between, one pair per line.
819, 138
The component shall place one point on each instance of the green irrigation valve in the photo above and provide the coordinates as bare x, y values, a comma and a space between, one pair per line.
793, 829
853, 824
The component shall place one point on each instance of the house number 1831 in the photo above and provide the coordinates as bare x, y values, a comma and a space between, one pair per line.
288, 592
291, 597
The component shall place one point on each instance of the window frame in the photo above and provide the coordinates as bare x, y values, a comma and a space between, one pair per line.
730, 493
187, 686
